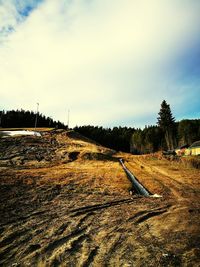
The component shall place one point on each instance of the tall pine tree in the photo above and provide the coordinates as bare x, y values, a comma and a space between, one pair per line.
166, 122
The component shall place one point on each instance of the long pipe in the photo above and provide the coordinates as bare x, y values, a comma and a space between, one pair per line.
137, 186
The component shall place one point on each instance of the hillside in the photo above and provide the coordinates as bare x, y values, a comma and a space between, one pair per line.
65, 201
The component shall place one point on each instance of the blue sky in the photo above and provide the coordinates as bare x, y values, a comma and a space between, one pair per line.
24, 8
110, 62
13, 12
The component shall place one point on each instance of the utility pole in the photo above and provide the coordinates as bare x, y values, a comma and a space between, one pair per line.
36, 118
68, 118
1, 118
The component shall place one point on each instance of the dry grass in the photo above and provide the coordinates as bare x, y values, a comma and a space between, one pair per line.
74, 209
171, 178
96, 176
191, 162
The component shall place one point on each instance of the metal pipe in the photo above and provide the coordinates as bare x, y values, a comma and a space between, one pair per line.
136, 184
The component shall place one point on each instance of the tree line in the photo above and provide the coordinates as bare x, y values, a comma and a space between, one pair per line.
117, 138
22, 118
143, 141
166, 135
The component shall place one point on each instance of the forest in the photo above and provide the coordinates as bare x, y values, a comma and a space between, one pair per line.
152, 138
142, 141
166, 135
117, 138
22, 118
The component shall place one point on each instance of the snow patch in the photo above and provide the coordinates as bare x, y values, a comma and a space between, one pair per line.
156, 195
22, 132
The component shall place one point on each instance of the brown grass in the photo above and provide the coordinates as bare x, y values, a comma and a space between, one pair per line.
191, 161
78, 211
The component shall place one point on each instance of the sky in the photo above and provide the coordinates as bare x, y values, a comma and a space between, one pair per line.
111, 63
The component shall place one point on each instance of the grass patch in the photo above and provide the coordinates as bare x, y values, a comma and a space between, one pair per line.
192, 161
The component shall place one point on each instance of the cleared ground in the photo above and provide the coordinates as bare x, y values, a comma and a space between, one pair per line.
65, 201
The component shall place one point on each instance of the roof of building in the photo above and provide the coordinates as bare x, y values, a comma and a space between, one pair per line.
182, 147
195, 144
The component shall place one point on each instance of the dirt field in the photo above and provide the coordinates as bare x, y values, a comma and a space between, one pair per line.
65, 201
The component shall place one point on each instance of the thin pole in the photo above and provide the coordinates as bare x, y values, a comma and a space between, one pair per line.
1, 118
68, 118
36, 118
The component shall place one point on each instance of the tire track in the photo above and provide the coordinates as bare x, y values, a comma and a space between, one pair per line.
69, 254
67, 246
115, 245
12, 237
85, 209
21, 238
62, 228
91, 257
149, 216
59, 242
144, 215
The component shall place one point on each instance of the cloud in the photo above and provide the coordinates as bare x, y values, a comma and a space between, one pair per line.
104, 60
13, 12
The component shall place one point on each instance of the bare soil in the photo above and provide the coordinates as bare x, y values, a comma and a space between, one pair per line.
65, 201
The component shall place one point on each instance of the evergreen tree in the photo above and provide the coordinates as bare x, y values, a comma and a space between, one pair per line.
166, 122
146, 141
137, 141
188, 131
117, 138
22, 118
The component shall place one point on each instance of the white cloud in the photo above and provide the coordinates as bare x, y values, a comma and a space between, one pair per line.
8, 13
102, 59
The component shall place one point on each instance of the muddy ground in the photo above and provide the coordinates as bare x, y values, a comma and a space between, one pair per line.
65, 201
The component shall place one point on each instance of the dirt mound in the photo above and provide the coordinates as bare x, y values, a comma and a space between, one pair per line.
52, 147
27, 150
